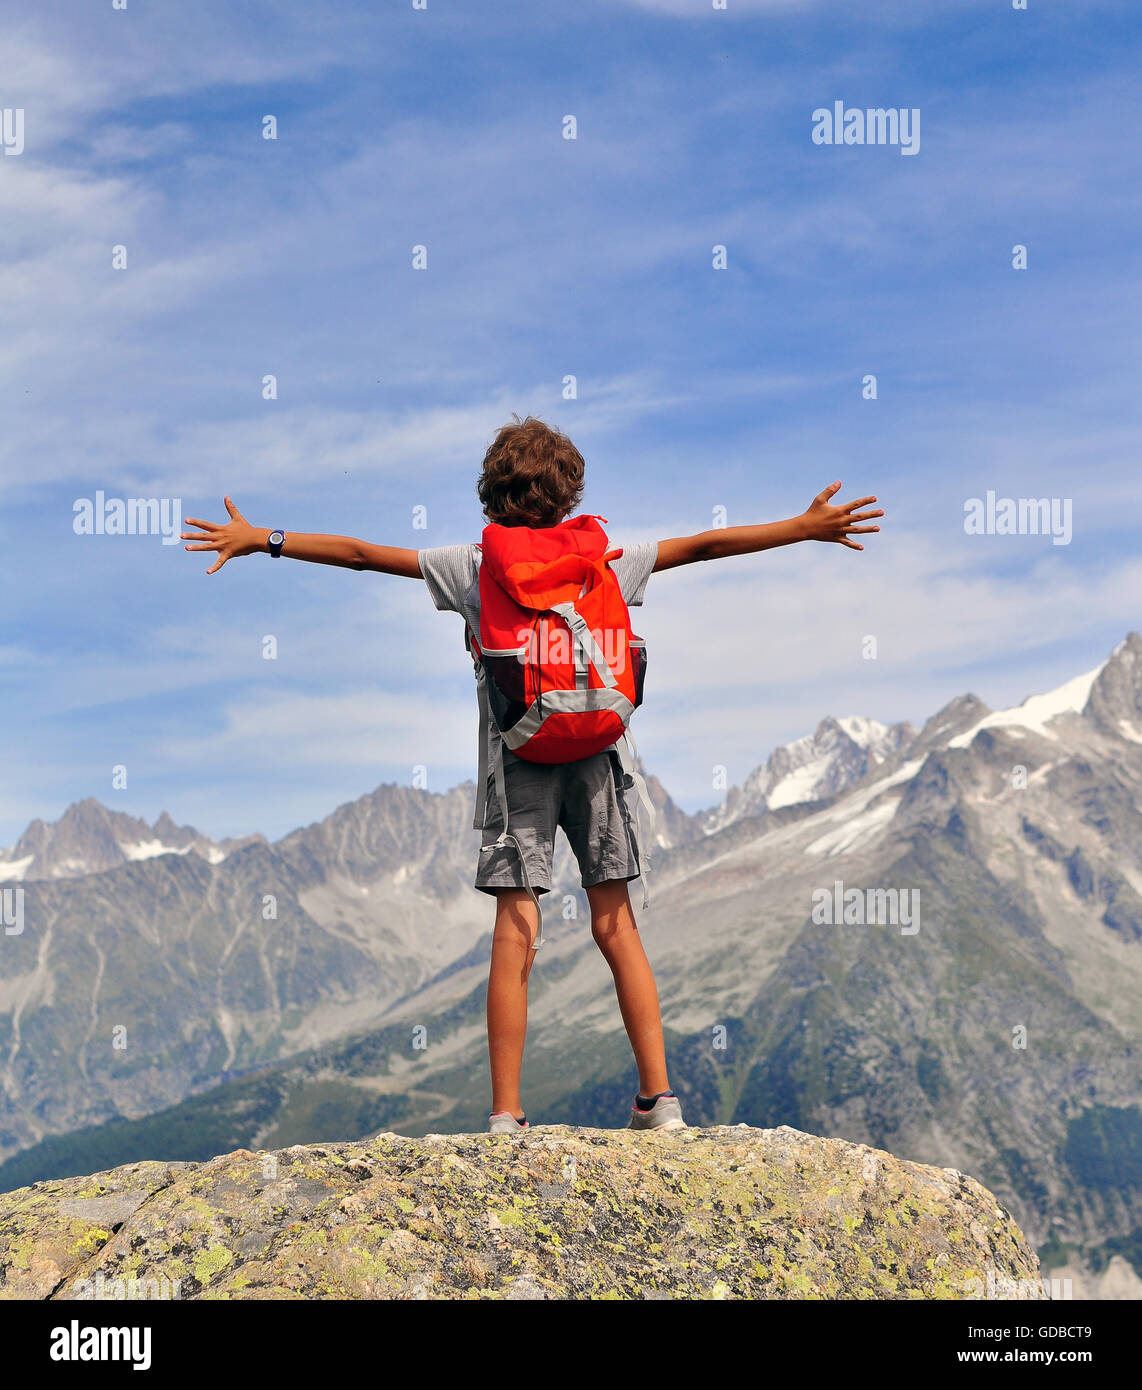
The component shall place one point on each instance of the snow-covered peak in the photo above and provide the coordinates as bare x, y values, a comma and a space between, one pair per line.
90, 839
1037, 711
867, 733
823, 763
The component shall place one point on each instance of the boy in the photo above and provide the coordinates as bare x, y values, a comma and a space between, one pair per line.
533, 477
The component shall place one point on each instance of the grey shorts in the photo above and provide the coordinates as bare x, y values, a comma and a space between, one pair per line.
585, 797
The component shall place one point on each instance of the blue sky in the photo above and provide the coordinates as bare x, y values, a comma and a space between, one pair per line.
698, 388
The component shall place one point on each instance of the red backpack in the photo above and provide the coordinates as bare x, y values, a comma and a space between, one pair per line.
564, 670
558, 670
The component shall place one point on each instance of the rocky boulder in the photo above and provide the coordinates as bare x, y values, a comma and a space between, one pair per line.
729, 1212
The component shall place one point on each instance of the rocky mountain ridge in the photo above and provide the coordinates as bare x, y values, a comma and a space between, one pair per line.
89, 839
835, 756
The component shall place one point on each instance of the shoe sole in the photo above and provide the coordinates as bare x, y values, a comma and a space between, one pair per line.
666, 1124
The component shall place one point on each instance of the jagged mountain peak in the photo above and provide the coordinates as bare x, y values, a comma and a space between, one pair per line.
1115, 701
90, 838
863, 731
958, 715
1037, 713
838, 753
165, 827
846, 750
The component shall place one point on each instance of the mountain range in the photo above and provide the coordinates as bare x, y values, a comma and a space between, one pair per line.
927, 940
88, 838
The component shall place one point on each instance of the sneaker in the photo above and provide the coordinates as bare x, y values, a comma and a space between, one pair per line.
665, 1113
504, 1122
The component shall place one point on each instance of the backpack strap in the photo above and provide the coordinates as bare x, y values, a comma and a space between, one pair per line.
480, 819
506, 837
628, 760
495, 754
585, 641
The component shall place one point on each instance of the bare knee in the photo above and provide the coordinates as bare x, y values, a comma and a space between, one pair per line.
516, 918
611, 914
609, 935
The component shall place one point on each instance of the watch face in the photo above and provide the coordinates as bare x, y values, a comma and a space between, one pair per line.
277, 538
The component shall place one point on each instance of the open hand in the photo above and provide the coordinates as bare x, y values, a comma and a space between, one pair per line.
237, 537
828, 523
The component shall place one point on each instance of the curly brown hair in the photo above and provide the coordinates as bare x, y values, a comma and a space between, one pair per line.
532, 476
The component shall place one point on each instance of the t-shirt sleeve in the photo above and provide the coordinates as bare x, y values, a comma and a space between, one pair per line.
449, 571
633, 568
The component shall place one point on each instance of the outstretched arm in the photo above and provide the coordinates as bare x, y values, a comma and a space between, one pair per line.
238, 537
821, 522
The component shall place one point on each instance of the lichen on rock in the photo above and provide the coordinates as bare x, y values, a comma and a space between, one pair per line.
556, 1212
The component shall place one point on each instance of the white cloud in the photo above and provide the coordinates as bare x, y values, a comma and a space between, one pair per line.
331, 731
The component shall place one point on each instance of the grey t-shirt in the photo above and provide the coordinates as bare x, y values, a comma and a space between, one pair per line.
451, 573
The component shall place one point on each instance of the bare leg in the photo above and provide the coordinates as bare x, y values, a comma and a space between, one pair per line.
517, 923
616, 935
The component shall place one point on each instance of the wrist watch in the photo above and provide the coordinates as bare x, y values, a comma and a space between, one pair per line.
275, 542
